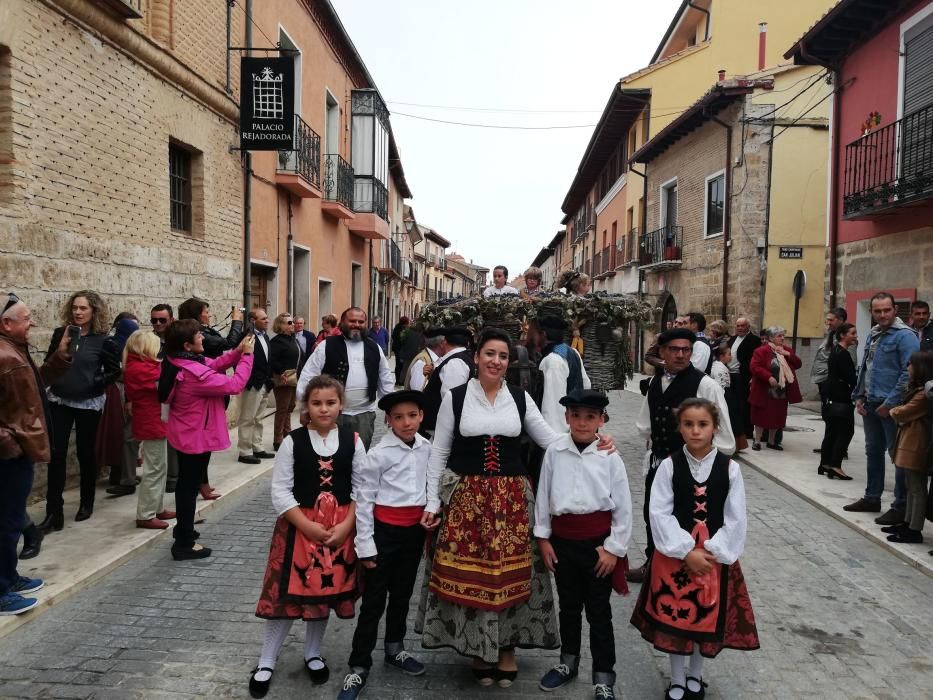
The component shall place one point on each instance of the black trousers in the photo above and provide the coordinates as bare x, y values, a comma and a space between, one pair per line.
191, 468
399, 556
649, 480
84, 422
839, 432
579, 589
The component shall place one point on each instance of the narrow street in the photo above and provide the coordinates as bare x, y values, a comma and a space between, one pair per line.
838, 616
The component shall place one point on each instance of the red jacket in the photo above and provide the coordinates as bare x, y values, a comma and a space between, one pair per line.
140, 379
760, 367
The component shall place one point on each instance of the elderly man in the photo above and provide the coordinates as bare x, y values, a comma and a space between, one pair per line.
24, 440
360, 364
379, 333
254, 399
657, 421
743, 345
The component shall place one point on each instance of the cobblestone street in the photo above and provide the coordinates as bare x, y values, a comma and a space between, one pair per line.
838, 617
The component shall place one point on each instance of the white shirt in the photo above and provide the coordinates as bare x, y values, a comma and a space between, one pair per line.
264, 344
734, 366
723, 440
673, 541
455, 373
481, 418
700, 356
494, 291
584, 482
416, 378
283, 469
395, 475
556, 370
720, 374
357, 387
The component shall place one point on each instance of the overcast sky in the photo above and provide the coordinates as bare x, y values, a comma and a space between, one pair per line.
496, 193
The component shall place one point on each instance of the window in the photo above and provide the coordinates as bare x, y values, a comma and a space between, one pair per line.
669, 203
356, 286
179, 176
324, 297
715, 203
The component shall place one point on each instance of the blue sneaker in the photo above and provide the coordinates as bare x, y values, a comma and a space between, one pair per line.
352, 686
14, 604
27, 585
406, 663
560, 675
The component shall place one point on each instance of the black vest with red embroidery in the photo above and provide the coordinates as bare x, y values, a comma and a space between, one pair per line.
709, 504
486, 455
314, 474
665, 435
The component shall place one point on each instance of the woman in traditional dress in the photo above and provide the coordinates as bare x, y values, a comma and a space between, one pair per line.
487, 591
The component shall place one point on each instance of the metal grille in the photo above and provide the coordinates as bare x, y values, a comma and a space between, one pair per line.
179, 177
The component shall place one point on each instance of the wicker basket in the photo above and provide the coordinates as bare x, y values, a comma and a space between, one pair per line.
510, 327
601, 357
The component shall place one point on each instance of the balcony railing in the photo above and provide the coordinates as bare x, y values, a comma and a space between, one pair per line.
890, 167
338, 180
661, 249
625, 249
431, 296
305, 158
370, 196
393, 258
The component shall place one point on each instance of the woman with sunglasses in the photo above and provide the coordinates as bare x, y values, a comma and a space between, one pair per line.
77, 399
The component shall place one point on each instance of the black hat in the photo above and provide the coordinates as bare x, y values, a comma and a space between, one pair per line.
459, 335
396, 397
586, 398
558, 323
676, 334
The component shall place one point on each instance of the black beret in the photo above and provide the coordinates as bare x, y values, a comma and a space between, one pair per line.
676, 334
586, 398
396, 397
460, 335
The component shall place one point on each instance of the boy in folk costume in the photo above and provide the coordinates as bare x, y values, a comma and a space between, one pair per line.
389, 537
583, 522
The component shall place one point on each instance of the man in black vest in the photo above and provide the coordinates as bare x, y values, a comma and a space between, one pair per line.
360, 364
453, 368
675, 381
254, 400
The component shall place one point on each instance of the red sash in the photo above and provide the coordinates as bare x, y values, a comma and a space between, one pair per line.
591, 526
402, 516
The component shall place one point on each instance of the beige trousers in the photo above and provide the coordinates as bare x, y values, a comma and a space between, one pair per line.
253, 403
151, 488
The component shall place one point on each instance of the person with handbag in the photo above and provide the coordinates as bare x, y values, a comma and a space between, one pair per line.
838, 408
774, 386
285, 358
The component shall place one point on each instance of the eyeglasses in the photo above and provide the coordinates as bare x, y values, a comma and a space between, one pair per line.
679, 350
158, 321
290, 323
11, 301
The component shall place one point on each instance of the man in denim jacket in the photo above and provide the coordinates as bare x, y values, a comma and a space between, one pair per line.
882, 380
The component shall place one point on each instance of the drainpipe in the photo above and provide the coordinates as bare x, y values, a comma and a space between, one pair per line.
705, 12
290, 263
727, 216
227, 86
247, 186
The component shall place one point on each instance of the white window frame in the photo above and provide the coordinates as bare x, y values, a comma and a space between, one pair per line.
331, 97
662, 201
725, 203
299, 65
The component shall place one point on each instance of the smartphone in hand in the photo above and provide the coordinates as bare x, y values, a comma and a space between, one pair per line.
74, 333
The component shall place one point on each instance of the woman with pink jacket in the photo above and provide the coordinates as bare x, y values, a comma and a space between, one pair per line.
194, 388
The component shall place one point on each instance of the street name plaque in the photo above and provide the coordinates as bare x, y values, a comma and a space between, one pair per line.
267, 104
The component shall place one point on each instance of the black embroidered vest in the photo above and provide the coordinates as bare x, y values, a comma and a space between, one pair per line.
486, 455
432, 390
337, 362
665, 437
689, 508
312, 475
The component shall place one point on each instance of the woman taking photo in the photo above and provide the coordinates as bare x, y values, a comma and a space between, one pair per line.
838, 408
77, 400
488, 590
195, 386
284, 359
774, 385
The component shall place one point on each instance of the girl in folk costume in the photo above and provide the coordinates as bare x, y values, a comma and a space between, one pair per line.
694, 602
312, 562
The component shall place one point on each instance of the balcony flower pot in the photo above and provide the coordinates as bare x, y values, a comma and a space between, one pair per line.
672, 252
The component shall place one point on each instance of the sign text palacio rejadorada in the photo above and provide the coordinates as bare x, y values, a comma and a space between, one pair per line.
267, 104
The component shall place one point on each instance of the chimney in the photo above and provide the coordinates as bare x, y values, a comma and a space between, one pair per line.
722, 74
762, 44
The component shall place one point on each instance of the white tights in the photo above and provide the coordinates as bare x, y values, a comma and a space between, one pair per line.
275, 633
679, 672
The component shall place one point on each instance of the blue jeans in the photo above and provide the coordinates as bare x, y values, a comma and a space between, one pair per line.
880, 434
17, 477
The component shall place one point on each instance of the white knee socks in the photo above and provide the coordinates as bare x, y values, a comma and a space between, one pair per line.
678, 675
696, 670
275, 634
314, 634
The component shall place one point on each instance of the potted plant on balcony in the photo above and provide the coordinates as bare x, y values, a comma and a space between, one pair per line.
873, 120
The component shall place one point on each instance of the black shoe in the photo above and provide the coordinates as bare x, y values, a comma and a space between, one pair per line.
756, 446
505, 679
117, 491
32, 542
820, 470
892, 517
248, 459
258, 689
264, 455
893, 529
318, 676
834, 473
863, 505
774, 447
84, 513
695, 694
52, 521
907, 536
193, 552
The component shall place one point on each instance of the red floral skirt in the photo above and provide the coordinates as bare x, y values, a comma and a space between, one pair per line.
306, 581
674, 614
483, 554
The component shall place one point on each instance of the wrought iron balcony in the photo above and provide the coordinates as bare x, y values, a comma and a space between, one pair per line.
625, 249
662, 249
392, 259
370, 196
338, 187
890, 167
303, 161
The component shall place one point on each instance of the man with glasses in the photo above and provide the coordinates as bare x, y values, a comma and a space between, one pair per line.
677, 379
160, 318
24, 440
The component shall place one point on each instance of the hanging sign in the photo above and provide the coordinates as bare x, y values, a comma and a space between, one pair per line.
267, 104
